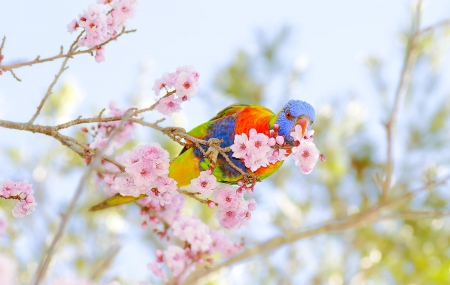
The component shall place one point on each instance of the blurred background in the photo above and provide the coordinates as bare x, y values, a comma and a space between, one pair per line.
343, 57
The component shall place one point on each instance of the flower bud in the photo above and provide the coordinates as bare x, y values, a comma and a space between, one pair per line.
280, 140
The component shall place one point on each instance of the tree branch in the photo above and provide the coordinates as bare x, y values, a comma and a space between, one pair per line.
42, 268
369, 216
66, 55
110, 255
402, 88
432, 28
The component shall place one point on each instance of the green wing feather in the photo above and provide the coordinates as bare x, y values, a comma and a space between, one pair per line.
115, 200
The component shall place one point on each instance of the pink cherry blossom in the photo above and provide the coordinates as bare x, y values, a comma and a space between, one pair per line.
192, 231
166, 185
124, 185
190, 70
226, 195
256, 151
99, 143
231, 218
222, 243
8, 188
160, 83
21, 191
305, 155
252, 205
129, 159
146, 167
297, 133
152, 152
240, 147
173, 210
105, 129
168, 212
298, 136
257, 160
154, 267
161, 166
232, 207
277, 155
169, 105
204, 184
280, 140
99, 55
176, 259
125, 9
259, 144
100, 25
272, 142
185, 85
72, 26
143, 174
23, 208
94, 23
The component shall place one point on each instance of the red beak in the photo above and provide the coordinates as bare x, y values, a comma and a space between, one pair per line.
303, 122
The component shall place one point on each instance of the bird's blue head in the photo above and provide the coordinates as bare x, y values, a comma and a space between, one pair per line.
295, 112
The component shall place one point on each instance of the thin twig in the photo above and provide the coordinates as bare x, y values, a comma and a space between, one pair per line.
402, 88
109, 257
42, 268
413, 215
66, 55
3, 44
434, 27
15, 76
49, 91
194, 196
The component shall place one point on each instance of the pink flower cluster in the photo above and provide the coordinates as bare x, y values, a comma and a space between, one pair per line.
103, 131
192, 231
102, 23
146, 170
200, 243
233, 209
21, 191
306, 153
182, 83
169, 212
258, 150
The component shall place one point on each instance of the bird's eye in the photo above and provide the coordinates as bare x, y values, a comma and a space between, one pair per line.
312, 122
288, 115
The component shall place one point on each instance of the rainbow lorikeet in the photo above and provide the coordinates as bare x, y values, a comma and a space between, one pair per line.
233, 120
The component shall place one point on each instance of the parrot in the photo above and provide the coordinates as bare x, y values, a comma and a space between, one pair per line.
234, 120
